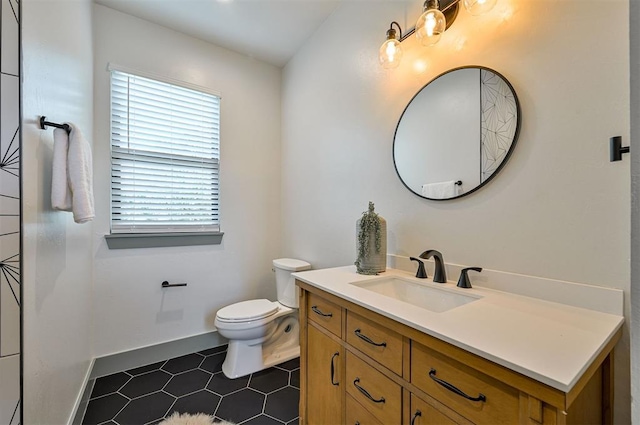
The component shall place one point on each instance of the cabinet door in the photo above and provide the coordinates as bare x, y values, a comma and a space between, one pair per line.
325, 359
423, 413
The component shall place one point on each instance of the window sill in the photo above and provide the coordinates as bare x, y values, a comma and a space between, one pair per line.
156, 240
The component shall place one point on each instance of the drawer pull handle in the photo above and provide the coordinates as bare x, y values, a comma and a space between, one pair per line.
333, 371
316, 310
367, 339
432, 375
415, 416
366, 393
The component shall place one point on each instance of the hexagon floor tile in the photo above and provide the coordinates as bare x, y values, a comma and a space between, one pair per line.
145, 384
269, 380
187, 382
241, 406
283, 404
145, 409
195, 384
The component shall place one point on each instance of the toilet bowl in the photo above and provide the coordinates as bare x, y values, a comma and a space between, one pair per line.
263, 333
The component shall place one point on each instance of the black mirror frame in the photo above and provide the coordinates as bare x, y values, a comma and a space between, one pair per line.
506, 157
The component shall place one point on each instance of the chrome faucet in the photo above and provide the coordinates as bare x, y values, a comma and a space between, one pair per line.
440, 275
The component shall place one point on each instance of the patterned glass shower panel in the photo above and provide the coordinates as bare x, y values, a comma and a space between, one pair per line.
10, 220
498, 109
10, 37
9, 391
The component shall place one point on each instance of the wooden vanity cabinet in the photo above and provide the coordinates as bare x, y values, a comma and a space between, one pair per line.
359, 367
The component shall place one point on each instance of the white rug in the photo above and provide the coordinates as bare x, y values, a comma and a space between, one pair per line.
187, 419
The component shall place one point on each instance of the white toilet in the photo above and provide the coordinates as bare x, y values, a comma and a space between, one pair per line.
263, 333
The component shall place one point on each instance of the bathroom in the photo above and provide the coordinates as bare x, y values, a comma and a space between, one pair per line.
306, 143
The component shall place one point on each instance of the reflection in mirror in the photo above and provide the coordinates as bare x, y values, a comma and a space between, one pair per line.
456, 133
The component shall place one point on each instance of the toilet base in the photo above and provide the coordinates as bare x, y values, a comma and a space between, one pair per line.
246, 357
284, 356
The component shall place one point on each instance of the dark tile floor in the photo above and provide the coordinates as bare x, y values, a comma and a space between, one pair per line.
195, 384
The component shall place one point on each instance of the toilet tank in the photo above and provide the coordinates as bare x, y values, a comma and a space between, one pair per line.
285, 283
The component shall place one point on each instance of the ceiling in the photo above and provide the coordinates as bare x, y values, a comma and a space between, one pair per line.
268, 30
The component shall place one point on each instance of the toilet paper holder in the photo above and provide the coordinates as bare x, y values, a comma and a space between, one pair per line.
166, 284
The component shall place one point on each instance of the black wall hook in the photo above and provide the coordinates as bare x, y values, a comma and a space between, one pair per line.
615, 149
44, 124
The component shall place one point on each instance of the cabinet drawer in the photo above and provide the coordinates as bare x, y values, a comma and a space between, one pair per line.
500, 405
381, 344
326, 314
358, 415
422, 413
375, 392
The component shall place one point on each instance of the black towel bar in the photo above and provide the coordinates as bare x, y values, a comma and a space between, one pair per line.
44, 124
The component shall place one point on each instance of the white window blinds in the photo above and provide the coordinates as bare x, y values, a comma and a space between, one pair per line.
165, 151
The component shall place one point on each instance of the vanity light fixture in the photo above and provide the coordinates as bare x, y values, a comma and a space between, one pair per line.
434, 20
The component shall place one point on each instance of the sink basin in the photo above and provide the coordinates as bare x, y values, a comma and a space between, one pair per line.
433, 299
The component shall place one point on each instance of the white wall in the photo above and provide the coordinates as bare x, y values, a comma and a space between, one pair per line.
131, 310
58, 83
558, 209
634, 14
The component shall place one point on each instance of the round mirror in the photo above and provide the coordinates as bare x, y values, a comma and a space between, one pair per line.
456, 133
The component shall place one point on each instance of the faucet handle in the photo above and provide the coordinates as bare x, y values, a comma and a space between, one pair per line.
421, 273
464, 282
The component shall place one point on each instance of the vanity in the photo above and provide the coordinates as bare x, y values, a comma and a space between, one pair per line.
393, 349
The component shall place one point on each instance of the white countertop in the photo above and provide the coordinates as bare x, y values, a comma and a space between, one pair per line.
547, 341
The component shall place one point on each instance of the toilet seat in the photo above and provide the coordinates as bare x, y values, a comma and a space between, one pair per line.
247, 311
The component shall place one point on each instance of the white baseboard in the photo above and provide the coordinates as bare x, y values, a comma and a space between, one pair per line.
142, 356
80, 406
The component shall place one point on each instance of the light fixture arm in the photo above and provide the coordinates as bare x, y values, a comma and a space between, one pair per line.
392, 30
402, 37
449, 6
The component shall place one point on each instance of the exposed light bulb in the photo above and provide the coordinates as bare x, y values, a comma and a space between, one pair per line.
431, 24
478, 7
390, 54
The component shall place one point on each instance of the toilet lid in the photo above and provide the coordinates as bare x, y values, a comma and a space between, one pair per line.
248, 310
291, 264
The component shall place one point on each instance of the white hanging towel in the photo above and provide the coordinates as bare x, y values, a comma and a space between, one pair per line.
440, 190
80, 172
72, 180
60, 191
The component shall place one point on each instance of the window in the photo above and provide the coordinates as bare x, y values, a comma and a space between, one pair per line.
165, 152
